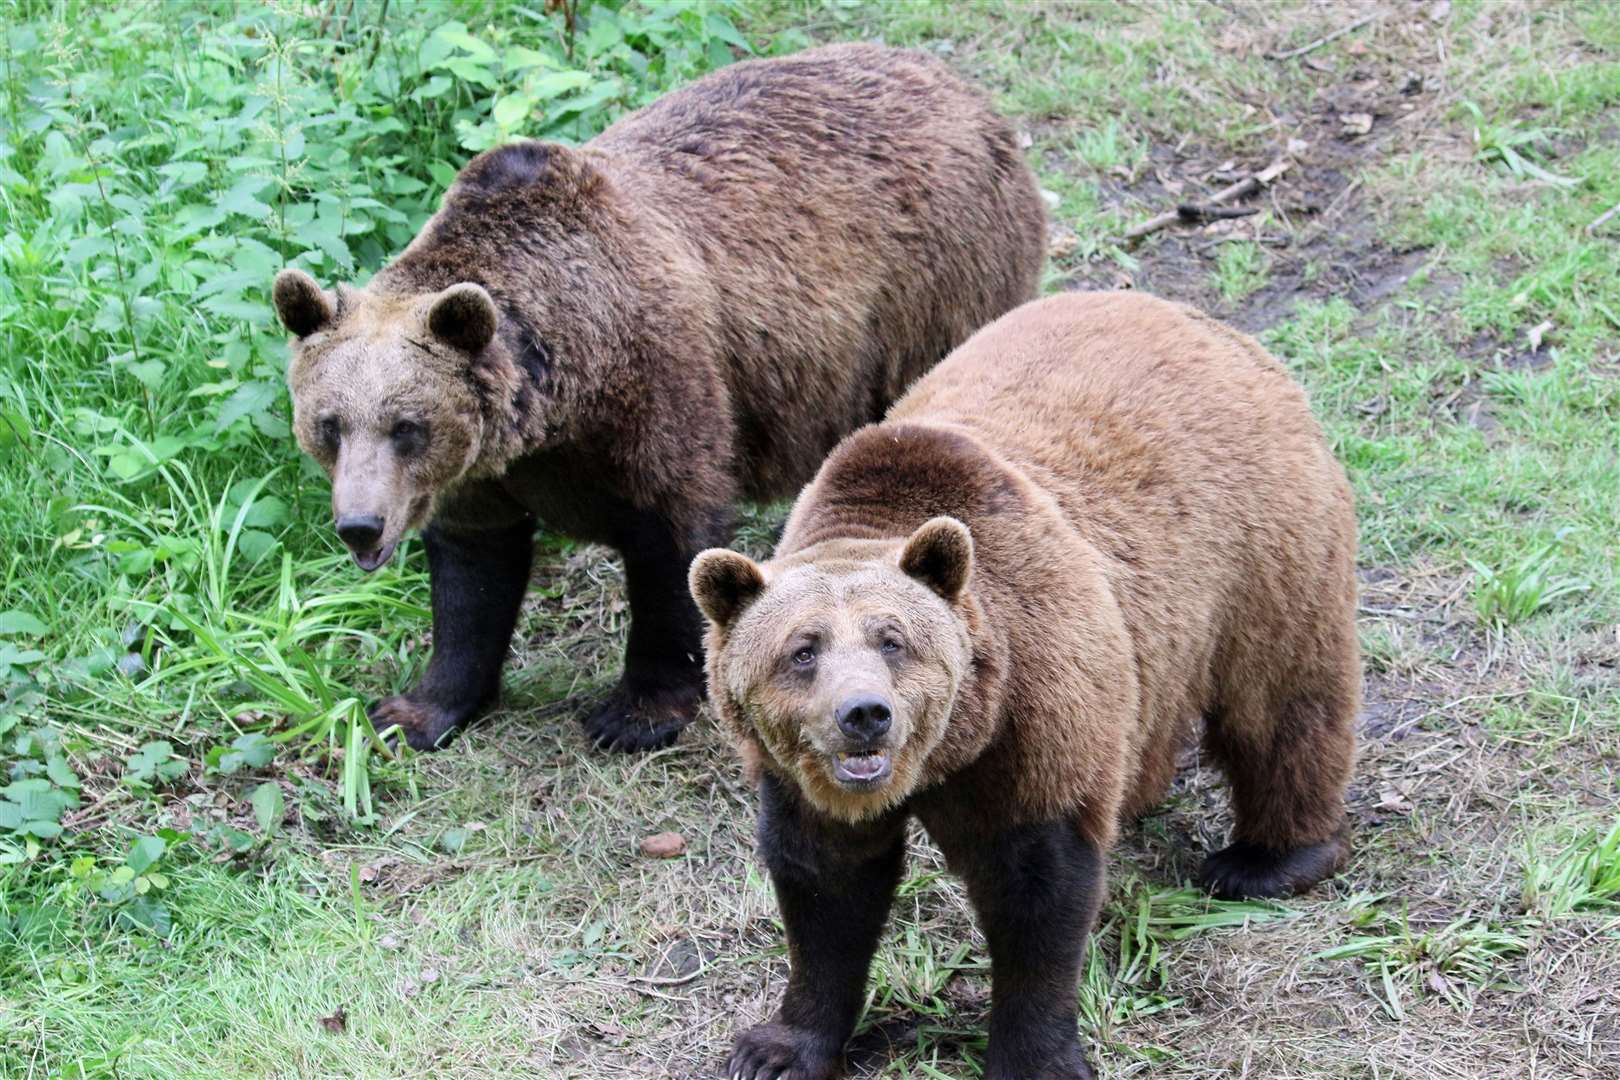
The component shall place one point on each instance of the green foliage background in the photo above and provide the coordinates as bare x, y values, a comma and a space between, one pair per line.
171, 590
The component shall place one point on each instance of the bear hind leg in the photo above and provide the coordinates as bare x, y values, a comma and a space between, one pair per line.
1288, 763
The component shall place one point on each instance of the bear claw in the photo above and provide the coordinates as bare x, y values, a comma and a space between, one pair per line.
629, 723
424, 726
1244, 871
780, 1052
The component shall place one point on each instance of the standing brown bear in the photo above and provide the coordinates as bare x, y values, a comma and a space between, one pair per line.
1002, 610
620, 340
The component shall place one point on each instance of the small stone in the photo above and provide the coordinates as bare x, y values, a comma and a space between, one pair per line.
1355, 123
1062, 245
664, 845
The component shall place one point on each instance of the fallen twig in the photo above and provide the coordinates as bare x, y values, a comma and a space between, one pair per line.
1188, 212
1591, 230
1321, 41
1197, 214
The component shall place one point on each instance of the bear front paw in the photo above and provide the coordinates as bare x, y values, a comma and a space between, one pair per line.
779, 1052
1072, 1065
629, 722
424, 726
1069, 1064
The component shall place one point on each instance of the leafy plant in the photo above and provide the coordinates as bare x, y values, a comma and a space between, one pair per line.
153, 765
1512, 595
43, 786
132, 886
1241, 267
148, 195
1447, 960
1515, 149
1585, 876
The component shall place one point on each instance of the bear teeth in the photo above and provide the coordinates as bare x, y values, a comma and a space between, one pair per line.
862, 766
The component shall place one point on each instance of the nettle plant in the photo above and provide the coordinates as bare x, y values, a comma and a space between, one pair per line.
158, 165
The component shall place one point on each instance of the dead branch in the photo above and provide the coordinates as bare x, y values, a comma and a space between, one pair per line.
1591, 230
1194, 213
1321, 41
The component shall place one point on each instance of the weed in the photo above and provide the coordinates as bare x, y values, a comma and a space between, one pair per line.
1515, 149
1585, 876
1512, 595
1241, 268
1448, 960
1110, 149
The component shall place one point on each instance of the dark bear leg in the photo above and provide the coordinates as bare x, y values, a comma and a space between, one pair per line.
1288, 764
477, 580
1036, 889
662, 685
834, 883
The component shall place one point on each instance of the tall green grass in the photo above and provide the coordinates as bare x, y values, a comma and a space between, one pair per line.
169, 578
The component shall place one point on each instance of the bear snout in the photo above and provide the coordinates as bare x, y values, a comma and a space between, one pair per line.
360, 531
865, 717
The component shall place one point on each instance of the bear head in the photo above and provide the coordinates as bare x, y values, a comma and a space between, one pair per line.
840, 664
392, 396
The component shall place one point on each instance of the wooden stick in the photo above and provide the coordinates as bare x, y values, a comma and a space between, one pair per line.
1321, 41
1247, 186
1591, 230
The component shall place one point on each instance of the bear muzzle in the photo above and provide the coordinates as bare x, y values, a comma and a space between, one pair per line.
363, 534
865, 762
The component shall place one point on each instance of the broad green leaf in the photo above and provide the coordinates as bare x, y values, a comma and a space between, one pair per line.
255, 544
61, 774
21, 622
267, 805
512, 109
149, 373
443, 173
241, 198
247, 399
555, 84
456, 34
144, 852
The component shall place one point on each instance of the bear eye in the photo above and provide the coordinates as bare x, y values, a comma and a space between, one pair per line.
331, 431
889, 647
804, 656
409, 436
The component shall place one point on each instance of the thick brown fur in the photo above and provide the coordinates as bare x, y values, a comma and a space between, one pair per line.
1159, 534
691, 308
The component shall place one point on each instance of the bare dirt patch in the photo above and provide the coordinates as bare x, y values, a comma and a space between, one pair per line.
1318, 223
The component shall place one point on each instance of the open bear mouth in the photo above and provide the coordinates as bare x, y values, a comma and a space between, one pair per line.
372, 558
862, 768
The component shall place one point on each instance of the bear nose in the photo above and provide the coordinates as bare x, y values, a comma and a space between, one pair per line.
360, 531
865, 718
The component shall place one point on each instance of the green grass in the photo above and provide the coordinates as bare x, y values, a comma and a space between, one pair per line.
205, 852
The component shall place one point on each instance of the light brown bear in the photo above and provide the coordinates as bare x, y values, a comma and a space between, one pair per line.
1003, 610
620, 340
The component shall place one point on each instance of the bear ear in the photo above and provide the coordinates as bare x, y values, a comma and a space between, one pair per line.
724, 583
303, 306
940, 555
464, 316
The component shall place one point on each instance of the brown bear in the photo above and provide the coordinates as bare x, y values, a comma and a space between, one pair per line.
619, 340
1002, 610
